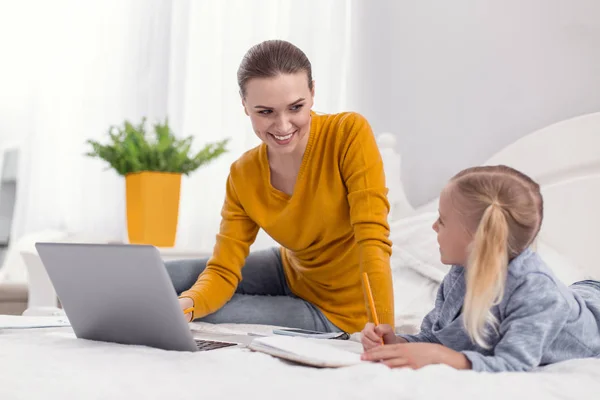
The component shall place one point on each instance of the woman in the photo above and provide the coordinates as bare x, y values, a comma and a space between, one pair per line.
316, 185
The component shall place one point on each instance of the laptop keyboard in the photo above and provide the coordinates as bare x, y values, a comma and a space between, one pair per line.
205, 345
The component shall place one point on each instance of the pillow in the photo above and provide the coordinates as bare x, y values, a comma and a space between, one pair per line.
565, 269
414, 297
414, 245
416, 270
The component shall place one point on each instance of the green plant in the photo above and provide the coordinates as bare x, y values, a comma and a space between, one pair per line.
132, 150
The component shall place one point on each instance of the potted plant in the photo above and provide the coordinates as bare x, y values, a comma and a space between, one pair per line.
152, 167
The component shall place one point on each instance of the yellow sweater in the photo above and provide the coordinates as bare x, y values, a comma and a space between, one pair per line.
332, 228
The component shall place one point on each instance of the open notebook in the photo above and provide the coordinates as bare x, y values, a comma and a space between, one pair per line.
305, 351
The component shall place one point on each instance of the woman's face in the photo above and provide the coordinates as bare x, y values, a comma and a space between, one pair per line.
279, 109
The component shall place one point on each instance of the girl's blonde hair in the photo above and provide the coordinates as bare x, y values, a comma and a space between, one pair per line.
503, 209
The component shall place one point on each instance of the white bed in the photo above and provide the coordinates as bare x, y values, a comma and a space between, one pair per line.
53, 364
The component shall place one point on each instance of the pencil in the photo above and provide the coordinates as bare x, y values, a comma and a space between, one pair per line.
367, 285
188, 310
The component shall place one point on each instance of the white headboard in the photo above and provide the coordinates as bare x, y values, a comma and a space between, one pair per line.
564, 158
392, 161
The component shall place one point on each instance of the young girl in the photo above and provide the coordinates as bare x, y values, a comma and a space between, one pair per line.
500, 308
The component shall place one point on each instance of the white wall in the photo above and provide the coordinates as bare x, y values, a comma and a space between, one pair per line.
457, 81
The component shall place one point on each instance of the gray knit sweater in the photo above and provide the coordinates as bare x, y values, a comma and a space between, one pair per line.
541, 320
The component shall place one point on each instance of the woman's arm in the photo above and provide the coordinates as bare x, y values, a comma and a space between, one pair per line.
362, 170
217, 284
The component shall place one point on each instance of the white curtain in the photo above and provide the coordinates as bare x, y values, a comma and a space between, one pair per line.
93, 64
208, 42
96, 63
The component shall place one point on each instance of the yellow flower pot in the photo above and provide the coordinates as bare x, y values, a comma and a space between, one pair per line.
152, 207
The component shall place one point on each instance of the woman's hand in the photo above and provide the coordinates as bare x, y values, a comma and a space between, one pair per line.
371, 336
185, 304
416, 355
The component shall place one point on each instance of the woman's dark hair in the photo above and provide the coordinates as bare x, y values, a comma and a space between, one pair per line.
271, 58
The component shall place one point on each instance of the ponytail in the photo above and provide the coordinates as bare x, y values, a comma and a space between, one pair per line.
486, 273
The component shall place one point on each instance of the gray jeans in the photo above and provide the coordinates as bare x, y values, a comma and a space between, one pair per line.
262, 297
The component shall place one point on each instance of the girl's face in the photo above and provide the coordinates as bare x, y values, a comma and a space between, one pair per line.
279, 109
453, 235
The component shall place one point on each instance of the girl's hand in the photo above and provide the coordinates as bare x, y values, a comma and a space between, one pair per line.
416, 355
371, 336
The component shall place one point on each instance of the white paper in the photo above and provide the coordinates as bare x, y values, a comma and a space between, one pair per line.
307, 350
22, 322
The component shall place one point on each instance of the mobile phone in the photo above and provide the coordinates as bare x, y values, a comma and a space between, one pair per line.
311, 334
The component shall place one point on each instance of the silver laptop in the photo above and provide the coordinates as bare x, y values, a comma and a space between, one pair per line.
122, 293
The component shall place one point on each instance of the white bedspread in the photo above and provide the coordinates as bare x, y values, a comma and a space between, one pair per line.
52, 364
